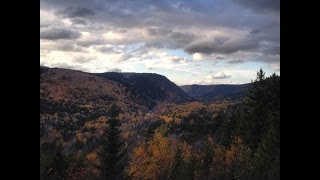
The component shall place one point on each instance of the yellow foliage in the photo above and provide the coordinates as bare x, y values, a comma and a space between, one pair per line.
92, 157
79, 137
166, 119
87, 106
154, 159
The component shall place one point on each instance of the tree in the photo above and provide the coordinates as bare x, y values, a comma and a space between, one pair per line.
259, 125
177, 166
53, 163
113, 152
253, 123
60, 163
161, 157
206, 160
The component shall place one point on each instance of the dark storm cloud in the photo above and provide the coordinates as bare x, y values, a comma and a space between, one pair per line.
260, 5
220, 45
168, 38
58, 33
74, 12
79, 21
158, 31
164, 13
180, 39
268, 32
273, 50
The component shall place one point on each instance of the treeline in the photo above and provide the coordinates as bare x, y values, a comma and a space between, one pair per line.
241, 142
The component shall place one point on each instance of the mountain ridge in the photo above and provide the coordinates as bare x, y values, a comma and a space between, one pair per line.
147, 89
216, 91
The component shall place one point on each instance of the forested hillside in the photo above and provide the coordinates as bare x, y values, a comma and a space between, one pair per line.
96, 126
148, 89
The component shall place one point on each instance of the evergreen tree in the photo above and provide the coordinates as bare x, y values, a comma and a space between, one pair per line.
207, 160
113, 153
60, 163
177, 169
191, 167
53, 163
259, 125
253, 121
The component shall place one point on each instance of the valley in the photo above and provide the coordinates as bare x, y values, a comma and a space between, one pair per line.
160, 123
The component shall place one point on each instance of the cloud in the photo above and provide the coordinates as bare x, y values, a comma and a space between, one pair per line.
58, 33
221, 45
260, 5
61, 45
115, 70
219, 75
82, 59
197, 57
219, 57
236, 61
272, 50
79, 21
110, 49
161, 34
44, 26
74, 12
177, 59
91, 42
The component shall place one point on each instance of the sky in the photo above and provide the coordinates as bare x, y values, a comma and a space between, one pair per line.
188, 41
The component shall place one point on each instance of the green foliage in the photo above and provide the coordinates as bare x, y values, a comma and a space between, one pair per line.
207, 159
198, 125
151, 130
259, 125
262, 99
177, 169
54, 164
112, 152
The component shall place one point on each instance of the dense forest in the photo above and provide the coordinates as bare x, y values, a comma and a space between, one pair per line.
101, 132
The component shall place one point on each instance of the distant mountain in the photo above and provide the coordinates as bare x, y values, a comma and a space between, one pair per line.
148, 88
131, 90
216, 92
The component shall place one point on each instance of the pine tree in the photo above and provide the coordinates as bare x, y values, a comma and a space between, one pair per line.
259, 126
60, 163
177, 169
113, 153
253, 122
207, 160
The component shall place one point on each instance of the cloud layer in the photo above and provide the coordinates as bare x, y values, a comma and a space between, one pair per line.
144, 33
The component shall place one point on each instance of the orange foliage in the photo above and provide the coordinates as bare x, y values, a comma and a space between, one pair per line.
154, 159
